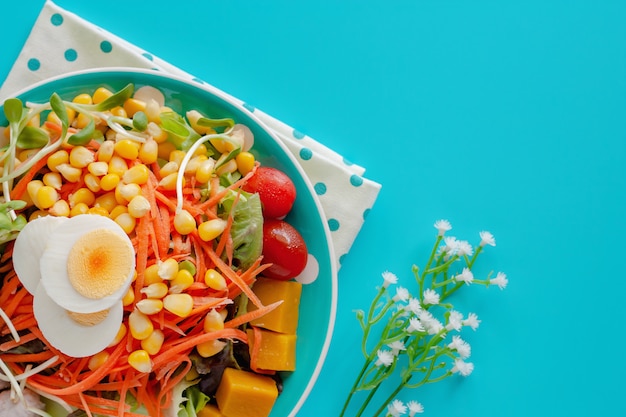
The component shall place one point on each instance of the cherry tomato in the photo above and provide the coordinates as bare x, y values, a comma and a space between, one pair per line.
276, 191
283, 247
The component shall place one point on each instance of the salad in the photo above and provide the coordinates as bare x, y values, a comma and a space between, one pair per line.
142, 254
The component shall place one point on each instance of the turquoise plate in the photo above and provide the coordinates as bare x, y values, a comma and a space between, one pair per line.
318, 304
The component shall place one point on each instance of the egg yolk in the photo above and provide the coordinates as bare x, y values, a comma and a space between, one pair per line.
88, 319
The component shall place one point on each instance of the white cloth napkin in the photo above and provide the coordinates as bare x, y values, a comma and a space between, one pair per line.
62, 42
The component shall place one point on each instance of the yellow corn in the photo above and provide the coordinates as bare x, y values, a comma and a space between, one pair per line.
205, 171
149, 306
98, 360
109, 182
140, 325
100, 95
165, 148
80, 208
210, 348
194, 164
179, 304
69, 172
149, 152
82, 195
120, 335
201, 150
193, 116
126, 222
184, 223
53, 179
151, 275
154, 130
127, 149
245, 162
100, 211
169, 168
155, 290
60, 209
129, 297
211, 229
92, 182
153, 111
169, 182
25, 154
139, 206
153, 343
117, 165
181, 281
177, 156
214, 280
137, 174
168, 269
127, 191
228, 167
31, 189
81, 121
140, 360
83, 98
106, 200
99, 168
213, 321
57, 158
80, 157
46, 197
133, 105
105, 151
119, 111
117, 210
37, 214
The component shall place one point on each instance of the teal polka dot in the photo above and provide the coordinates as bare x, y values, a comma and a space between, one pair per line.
71, 55
320, 188
355, 180
366, 212
297, 134
106, 47
342, 258
306, 154
347, 162
34, 64
56, 19
148, 56
333, 225
249, 107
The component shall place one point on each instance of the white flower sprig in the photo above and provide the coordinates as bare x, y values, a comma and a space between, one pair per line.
415, 328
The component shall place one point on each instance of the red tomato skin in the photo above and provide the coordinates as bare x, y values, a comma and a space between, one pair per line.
284, 248
276, 191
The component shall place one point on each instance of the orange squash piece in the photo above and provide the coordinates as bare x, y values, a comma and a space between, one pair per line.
245, 394
283, 319
210, 411
277, 351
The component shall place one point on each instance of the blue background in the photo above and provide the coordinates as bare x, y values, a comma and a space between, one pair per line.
498, 115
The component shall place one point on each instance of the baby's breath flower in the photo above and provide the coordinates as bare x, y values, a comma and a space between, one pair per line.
415, 325
472, 321
463, 368
451, 245
442, 226
414, 306
389, 278
455, 321
396, 408
396, 347
415, 408
461, 346
402, 294
431, 297
464, 248
487, 238
465, 276
431, 324
500, 280
385, 358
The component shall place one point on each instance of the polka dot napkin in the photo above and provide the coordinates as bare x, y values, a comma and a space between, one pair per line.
62, 42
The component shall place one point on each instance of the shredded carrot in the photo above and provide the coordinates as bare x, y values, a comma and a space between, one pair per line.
18, 190
251, 315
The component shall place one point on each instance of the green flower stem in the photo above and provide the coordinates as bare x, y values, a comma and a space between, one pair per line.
354, 387
421, 278
405, 380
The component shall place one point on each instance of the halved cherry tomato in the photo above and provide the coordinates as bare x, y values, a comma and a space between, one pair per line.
283, 247
276, 191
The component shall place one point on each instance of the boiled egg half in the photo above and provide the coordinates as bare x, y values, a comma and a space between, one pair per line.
78, 270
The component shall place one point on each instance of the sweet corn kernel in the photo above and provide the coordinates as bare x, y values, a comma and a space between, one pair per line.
179, 304
117, 210
228, 167
57, 158
129, 297
80, 157
53, 179
154, 130
151, 275
100, 211
109, 182
83, 98
168, 269
181, 281
31, 189
169, 168
101, 94
149, 306
92, 182
153, 111
106, 200
213, 321
119, 111
214, 280
127, 191
155, 290
133, 105
46, 197
105, 151
184, 223
37, 214
140, 325
194, 164
165, 148
98, 360
80, 208
118, 165
25, 154
60, 209
119, 336
149, 152
169, 182
137, 174
205, 171
69, 172
153, 343
177, 156
139, 206
245, 162
201, 150
126, 222
211, 229
81, 121
210, 348
82, 195
99, 168
127, 149
140, 360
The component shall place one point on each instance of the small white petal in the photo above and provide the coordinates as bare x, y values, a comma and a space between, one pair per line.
396, 408
389, 278
402, 294
431, 297
487, 238
442, 226
415, 408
